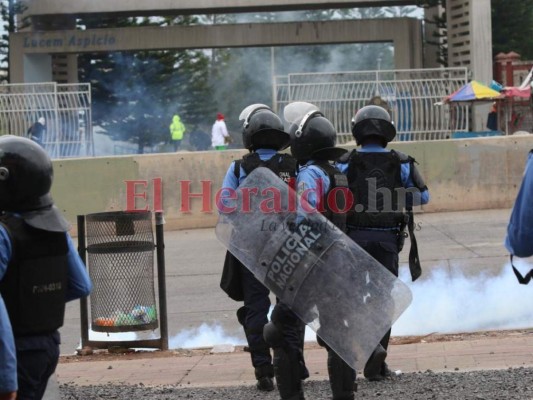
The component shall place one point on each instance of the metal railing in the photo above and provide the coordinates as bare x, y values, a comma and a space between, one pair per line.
65, 107
411, 96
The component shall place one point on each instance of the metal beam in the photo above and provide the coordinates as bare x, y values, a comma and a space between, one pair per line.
180, 7
215, 36
404, 33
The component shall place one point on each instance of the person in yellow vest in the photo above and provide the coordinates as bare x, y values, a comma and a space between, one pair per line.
177, 129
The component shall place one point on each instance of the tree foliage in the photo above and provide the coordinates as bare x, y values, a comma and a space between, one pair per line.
512, 27
136, 94
9, 10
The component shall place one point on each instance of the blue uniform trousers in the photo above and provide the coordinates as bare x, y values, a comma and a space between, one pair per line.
37, 358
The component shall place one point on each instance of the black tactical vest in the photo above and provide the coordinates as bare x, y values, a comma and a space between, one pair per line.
376, 184
335, 204
35, 283
283, 165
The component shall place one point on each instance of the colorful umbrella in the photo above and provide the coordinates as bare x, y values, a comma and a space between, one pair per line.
474, 91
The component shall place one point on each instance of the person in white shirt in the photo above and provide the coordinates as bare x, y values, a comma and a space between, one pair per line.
219, 134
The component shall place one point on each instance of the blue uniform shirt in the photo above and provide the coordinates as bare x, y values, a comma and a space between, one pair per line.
519, 240
231, 183
310, 180
416, 198
79, 285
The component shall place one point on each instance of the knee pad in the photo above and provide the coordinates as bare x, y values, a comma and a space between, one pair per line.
282, 315
273, 335
241, 315
322, 343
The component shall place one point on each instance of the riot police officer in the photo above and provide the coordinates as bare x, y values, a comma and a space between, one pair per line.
264, 136
40, 269
313, 140
385, 185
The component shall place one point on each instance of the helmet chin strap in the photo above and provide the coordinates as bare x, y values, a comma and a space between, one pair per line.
4, 173
304, 120
246, 122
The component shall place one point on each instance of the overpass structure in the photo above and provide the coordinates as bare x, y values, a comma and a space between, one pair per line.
47, 51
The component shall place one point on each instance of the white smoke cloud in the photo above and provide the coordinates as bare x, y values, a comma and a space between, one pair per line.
205, 335
450, 302
446, 301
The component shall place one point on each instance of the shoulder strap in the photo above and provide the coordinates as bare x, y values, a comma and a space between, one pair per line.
347, 156
524, 280
337, 179
237, 169
414, 259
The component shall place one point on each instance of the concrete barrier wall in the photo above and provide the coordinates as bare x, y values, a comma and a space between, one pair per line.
466, 174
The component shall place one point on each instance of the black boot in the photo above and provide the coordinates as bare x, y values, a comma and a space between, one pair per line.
341, 378
386, 372
374, 364
265, 378
287, 369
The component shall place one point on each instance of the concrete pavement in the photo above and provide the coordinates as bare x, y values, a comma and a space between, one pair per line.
230, 369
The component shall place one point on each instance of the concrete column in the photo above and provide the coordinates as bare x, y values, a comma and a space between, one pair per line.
37, 68
470, 45
408, 53
431, 34
481, 64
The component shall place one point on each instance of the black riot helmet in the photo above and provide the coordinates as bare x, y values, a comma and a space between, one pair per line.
26, 175
373, 121
313, 136
262, 128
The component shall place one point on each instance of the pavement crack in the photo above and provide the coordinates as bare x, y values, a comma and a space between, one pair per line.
449, 236
191, 369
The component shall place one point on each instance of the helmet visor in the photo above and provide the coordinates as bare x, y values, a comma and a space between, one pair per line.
248, 111
298, 113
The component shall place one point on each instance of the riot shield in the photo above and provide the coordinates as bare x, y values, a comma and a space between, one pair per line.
334, 286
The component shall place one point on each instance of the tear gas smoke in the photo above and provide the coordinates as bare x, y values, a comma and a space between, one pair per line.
446, 301
450, 302
205, 335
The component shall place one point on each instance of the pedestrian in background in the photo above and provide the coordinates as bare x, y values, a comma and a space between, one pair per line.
177, 129
219, 134
519, 240
37, 130
40, 269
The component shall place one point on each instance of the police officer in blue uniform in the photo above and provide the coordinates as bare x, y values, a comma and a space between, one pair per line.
40, 269
385, 185
519, 239
313, 140
264, 137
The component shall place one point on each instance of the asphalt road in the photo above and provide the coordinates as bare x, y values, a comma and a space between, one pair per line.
467, 243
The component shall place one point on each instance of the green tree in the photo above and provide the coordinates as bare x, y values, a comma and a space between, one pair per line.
512, 27
135, 95
9, 10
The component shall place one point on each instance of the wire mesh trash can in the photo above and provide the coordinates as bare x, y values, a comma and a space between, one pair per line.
120, 253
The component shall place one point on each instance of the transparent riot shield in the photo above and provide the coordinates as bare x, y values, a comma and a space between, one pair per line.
334, 286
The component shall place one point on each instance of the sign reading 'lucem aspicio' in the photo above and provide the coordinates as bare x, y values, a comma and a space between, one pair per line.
73, 40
